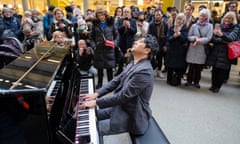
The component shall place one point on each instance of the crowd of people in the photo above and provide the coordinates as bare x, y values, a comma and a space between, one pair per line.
136, 44
182, 38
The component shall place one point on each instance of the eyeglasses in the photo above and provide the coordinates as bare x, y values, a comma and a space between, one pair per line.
141, 20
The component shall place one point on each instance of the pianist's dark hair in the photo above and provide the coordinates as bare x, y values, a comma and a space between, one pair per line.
151, 42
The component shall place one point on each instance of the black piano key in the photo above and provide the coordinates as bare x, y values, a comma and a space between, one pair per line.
82, 124
85, 117
84, 139
83, 112
82, 131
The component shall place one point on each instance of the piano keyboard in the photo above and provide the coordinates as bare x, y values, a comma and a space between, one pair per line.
86, 128
52, 90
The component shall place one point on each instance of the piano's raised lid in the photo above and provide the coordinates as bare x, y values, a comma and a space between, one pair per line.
34, 69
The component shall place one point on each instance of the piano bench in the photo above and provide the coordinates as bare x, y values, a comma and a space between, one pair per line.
153, 135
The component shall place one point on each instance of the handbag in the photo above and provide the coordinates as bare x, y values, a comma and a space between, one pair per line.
108, 43
233, 49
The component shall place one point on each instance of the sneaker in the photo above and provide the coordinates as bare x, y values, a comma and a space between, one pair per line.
160, 75
156, 73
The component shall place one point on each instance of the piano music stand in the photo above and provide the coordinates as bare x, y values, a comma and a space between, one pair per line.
34, 120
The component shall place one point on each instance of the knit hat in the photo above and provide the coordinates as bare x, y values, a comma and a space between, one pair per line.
6, 9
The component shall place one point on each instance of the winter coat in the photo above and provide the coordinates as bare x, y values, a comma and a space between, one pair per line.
14, 25
177, 48
67, 29
126, 36
219, 54
196, 54
104, 57
152, 29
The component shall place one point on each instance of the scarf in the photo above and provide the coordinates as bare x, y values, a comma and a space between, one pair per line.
103, 25
226, 26
203, 23
160, 29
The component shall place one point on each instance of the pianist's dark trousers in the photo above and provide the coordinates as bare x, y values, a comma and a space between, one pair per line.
103, 116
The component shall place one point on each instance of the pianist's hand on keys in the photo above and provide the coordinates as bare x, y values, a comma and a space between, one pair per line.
88, 100
88, 104
88, 97
49, 102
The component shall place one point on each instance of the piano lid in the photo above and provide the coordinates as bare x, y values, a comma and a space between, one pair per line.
35, 69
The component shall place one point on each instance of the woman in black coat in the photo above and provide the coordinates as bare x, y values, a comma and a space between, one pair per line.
177, 48
224, 33
104, 57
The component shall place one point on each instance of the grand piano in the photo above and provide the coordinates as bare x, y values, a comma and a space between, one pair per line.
24, 83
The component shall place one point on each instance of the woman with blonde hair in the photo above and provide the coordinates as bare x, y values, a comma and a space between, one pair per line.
223, 34
60, 23
177, 48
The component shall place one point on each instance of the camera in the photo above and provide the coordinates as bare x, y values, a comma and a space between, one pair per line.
126, 18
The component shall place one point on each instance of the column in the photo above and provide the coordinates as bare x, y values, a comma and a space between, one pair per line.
85, 6
25, 5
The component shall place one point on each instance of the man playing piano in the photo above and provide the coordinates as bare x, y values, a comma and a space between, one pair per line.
127, 109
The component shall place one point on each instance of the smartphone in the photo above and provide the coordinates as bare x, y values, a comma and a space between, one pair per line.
217, 26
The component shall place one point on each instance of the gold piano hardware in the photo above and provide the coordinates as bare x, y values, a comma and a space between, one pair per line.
27, 57
29, 86
19, 84
54, 61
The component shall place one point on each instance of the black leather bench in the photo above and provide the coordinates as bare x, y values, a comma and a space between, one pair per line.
153, 135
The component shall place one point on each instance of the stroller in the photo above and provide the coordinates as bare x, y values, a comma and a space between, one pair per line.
10, 49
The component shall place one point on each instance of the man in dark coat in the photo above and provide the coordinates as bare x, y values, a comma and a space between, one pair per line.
127, 29
159, 29
127, 110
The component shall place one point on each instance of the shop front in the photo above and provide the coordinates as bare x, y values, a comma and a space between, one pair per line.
217, 5
110, 5
21, 5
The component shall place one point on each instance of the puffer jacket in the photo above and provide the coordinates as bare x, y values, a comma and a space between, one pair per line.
219, 54
197, 54
104, 57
